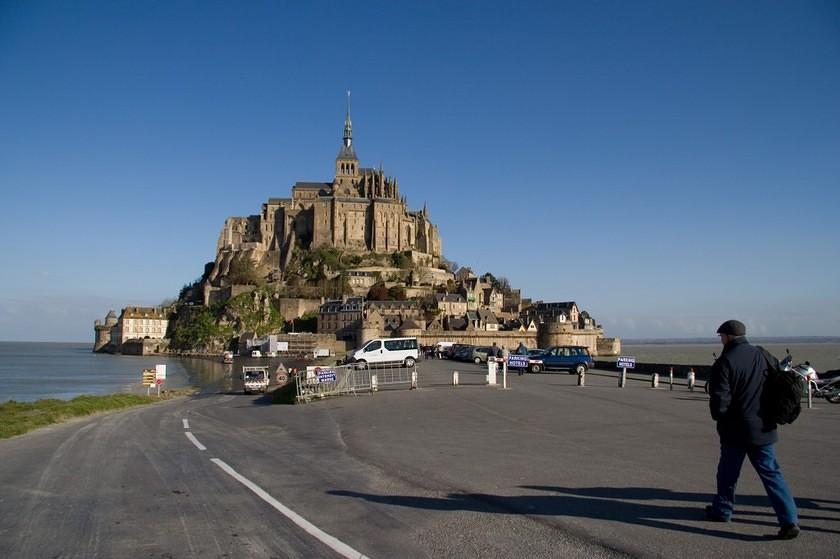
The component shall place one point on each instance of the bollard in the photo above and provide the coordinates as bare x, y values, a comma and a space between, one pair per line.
654, 380
691, 380
491, 372
582, 378
413, 380
810, 394
622, 380
374, 383
454, 378
671, 378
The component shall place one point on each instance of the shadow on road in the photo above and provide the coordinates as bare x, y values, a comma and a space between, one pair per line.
613, 504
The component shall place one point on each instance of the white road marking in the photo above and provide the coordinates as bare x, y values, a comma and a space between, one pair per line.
186, 424
194, 441
333, 543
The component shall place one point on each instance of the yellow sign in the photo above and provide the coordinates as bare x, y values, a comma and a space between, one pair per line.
149, 377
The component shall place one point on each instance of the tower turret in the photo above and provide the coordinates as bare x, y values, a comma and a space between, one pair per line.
346, 163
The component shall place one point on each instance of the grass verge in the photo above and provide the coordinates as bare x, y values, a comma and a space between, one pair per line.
17, 418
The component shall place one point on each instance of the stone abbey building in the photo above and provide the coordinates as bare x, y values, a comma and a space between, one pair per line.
359, 211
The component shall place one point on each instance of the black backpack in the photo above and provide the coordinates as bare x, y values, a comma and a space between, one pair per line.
782, 393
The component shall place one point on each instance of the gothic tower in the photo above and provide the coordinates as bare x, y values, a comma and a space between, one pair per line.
346, 164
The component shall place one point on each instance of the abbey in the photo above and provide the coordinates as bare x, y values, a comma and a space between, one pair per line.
359, 211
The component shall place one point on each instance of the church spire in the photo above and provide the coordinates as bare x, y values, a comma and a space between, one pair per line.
346, 164
348, 125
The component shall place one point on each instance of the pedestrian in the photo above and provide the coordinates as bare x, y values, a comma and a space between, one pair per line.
494, 351
735, 385
522, 349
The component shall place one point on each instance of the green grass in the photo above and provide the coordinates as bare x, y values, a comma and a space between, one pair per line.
17, 418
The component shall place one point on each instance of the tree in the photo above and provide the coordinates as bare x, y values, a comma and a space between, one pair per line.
378, 292
397, 293
448, 265
502, 284
243, 272
402, 260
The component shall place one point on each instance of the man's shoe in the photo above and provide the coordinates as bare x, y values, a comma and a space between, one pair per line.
789, 531
715, 515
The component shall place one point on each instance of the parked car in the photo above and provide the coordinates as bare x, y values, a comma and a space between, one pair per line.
462, 352
479, 354
573, 358
402, 351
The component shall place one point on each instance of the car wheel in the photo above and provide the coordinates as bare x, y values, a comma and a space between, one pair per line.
409, 361
477, 360
580, 368
535, 368
361, 365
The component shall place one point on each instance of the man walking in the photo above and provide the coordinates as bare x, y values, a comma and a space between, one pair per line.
735, 386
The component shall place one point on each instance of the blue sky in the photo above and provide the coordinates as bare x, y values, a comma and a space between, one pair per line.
667, 165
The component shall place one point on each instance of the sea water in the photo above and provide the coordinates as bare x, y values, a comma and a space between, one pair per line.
823, 355
31, 371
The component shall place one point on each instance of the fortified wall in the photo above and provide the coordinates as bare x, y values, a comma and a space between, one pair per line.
546, 335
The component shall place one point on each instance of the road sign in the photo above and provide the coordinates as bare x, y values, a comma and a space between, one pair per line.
326, 375
160, 372
149, 377
518, 361
626, 362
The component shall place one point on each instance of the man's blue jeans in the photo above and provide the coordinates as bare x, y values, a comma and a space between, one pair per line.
763, 459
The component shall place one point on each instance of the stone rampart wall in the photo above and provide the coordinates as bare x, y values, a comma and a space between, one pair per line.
295, 308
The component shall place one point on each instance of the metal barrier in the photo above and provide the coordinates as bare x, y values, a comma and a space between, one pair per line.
321, 382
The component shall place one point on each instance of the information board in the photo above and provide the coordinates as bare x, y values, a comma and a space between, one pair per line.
149, 377
325, 375
626, 362
518, 361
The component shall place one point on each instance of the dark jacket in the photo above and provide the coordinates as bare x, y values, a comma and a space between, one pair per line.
735, 385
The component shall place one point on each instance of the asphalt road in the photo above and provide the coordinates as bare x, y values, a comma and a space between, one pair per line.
543, 469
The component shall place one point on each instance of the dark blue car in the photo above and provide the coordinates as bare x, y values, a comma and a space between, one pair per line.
573, 358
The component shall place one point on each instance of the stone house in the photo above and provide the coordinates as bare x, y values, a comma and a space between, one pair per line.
451, 304
139, 323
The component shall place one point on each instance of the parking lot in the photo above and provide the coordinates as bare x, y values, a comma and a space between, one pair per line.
628, 467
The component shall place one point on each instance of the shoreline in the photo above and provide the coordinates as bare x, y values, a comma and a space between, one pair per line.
32, 372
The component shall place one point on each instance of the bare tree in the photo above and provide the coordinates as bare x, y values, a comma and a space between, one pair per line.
503, 284
448, 265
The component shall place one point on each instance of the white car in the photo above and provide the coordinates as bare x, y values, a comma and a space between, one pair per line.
398, 351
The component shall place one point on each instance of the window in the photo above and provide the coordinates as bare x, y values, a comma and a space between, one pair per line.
373, 346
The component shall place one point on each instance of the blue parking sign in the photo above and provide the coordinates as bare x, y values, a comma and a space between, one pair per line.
626, 362
518, 361
326, 375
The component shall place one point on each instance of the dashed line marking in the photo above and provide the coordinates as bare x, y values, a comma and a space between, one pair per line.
186, 424
330, 541
194, 441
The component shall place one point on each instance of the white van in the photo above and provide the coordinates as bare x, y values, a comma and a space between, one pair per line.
401, 351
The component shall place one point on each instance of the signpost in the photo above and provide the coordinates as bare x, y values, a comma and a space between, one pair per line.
517, 361
149, 379
160, 376
325, 375
153, 377
281, 374
624, 362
